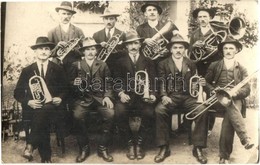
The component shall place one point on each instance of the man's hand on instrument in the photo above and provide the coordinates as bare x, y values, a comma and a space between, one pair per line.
104, 44
77, 81
198, 43
106, 101
202, 81
124, 98
56, 101
166, 100
150, 42
34, 104
152, 99
62, 44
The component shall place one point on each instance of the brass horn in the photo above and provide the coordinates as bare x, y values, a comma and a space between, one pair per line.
62, 52
195, 89
39, 89
142, 84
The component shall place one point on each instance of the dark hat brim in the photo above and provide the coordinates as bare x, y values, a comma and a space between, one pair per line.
84, 47
186, 44
48, 44
151, 4
210, 11
58, 8
133, 39
110, 15
238, 45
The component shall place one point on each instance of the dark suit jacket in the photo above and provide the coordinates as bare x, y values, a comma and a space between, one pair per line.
126, 71
100, 36
55, 80
166, 70
96, 77
240, 73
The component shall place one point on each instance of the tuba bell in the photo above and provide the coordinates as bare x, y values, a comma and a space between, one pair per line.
39, 89
142, 84
62, 52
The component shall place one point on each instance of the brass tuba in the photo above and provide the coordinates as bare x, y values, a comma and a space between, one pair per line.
39, 89
156, 51
112, 43
236, 28
195, 89
62, 52
142, 84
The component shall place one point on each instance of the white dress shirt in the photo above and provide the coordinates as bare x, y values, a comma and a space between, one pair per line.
65, 27
132, 57
45, 66
178, 63
153, 24
229, 63
89, 62
111, 31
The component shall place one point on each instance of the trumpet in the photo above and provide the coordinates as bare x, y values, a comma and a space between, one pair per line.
112, 43
195, 89
155, 51
142, 84
62, 52
39, 89
236, 28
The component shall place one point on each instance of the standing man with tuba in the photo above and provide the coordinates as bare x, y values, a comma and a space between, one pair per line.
176, 72
90, 77
219, 74
41, 89
149, 29
107, 37
132, 108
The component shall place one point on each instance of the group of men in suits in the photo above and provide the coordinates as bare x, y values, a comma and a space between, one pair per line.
105, 87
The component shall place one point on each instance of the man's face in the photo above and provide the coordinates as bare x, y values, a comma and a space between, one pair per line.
43, 53
229, 51
65, 16
109, 22
90, 52
151, 13
178, 50
133, 47
203, 18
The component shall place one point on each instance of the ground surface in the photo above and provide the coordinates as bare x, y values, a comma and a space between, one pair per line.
181, 150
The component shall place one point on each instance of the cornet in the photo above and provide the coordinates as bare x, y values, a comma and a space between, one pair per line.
195, 89
62, 52
39, 89
142, 84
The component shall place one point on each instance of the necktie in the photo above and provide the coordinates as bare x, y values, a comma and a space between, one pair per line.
134, 58
108, 34
42, 72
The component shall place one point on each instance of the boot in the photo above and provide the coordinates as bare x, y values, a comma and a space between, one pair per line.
28, 152
84, 153
131, 150
197, 152
163, 153
139, 150
103, 153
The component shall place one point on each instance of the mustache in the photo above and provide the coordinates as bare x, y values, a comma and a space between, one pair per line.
109, 24
133, 49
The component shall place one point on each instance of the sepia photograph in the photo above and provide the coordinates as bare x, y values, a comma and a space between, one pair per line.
130, 82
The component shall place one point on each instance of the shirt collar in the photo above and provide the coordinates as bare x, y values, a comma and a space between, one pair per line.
65, 27
177, 60
89, 62
111, 31
153, 24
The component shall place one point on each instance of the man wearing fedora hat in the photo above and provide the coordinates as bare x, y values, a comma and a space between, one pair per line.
40, 113
102, 36
147, 30
176, 72
64, 32
219, 74
93, 92
130, 105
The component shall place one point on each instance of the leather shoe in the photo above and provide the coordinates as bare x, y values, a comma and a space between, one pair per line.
103, 153
131, 150
139, 152
223, 161
163, 153
247, 144
197, 152
85, 151
28, 152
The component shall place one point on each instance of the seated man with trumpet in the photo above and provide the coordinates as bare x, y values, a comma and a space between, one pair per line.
109, 38
175, 73
156, 33
220, 74
41, 89
92, 92
134, 110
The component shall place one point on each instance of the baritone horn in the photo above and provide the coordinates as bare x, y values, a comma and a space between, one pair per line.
195, 89
142, 84
106, 51
62, 52
235, 28
155, 52
39, 89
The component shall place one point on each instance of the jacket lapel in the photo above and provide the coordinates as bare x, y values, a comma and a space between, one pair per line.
129, 64
237, 76
35, 69
219, 69
48, 71
171, 66
84, 66
95, 66
58, 32
185, 67
71, 32
140, 63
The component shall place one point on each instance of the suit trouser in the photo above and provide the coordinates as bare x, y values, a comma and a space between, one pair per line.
163, 114
136, 108
232, 122
39, 136
81, 115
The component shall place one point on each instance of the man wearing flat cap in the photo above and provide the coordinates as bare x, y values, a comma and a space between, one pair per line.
132, 107
102, 36
147, 30
219, 74
176, 72
64, 32
41, 97
92, 92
